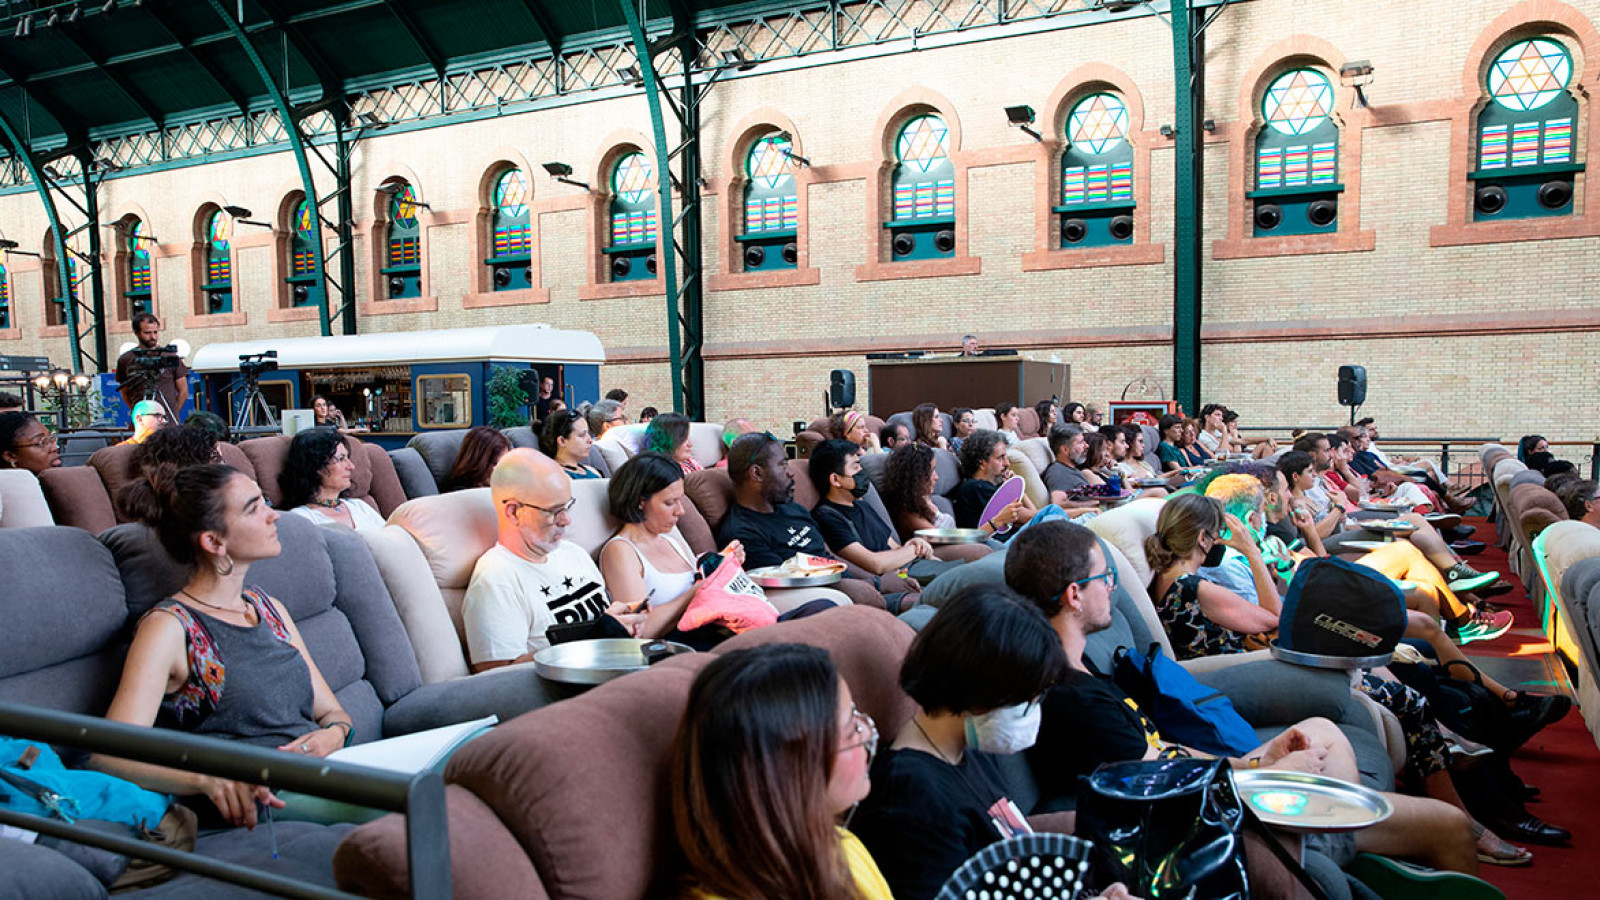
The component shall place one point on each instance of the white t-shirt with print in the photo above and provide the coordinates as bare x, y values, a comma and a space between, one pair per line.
511, 602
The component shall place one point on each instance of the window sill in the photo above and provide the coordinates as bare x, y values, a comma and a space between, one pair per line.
1094, 257
397, 306
11, 334
1513, 230
52, 331
520, 297
1294, 245
279, 314
749, 281
620, 290
216, 320
922, 268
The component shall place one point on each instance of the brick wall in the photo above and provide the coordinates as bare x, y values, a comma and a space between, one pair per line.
1457, 337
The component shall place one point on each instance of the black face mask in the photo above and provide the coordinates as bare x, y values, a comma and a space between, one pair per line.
1214, 555
859, 485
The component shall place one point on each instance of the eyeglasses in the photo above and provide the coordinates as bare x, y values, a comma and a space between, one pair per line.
865, 731
756, 448
553, 512
47, 440
1109, 575
159, 416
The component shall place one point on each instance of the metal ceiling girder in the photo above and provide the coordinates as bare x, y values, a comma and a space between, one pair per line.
236, 96
417, 36
129, 92
328, 77
297, 145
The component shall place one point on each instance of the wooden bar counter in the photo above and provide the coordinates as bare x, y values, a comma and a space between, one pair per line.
898, 385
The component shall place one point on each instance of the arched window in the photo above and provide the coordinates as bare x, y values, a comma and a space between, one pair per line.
633, 219
1097, 174
1525, 134
305, 282
924, 191
5, 298
511, 243
771, 206
217, 286
403, 270
1297, 156
137, 274
55, 309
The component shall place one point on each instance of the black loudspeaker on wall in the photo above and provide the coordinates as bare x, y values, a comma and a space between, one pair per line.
842, 388
1352, 385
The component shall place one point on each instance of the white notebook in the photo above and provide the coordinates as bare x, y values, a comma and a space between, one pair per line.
412, 753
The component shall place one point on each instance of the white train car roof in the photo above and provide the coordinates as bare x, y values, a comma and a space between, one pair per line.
502, 343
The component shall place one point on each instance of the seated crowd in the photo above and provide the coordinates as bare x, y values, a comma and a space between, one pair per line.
779, 787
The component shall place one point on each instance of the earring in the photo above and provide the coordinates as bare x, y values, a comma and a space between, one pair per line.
222, 571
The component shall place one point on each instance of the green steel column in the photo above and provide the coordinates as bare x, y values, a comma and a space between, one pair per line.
665, 257
97, 283
24, 155
1188, 64
345, 208
693, 371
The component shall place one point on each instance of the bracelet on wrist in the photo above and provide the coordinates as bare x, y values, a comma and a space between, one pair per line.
348, 730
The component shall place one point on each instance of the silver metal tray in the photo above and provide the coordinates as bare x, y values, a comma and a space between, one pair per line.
596, 661
1362, 545
1386, 526
953, 535
1302, 802
1321, 661
1149, 482
1383, 506
775, 577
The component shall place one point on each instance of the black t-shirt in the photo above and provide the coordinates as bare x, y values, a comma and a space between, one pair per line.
969, 499
1086, 721
132, 381
1284, 530
771, 538
1063, 478
925, 817
855, 524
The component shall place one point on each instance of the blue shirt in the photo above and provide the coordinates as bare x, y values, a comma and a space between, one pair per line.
1234, 574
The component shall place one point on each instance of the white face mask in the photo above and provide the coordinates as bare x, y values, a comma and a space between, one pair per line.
1009, 729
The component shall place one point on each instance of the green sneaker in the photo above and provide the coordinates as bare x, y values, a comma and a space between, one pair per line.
1485, 625
1395, 880
1465, 579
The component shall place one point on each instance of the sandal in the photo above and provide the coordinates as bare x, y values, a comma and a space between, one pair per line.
1497, 852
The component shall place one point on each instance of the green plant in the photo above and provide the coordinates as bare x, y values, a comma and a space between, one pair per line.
508, 402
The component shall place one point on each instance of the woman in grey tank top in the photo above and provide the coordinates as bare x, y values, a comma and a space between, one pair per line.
218, 657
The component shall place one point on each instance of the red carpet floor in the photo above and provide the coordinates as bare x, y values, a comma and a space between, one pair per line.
1562, 761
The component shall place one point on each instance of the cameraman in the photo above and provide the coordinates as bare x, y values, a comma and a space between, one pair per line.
172, 379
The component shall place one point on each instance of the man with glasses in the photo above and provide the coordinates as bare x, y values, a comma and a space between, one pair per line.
1581, 497
148, 417
532, 578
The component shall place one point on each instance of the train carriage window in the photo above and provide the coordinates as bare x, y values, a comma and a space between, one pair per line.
444, 401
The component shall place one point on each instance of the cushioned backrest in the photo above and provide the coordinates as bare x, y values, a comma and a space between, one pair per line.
115, 465
233, 456
592, 524
599, 462
62, 611
1027, 422
1532, 476
1580, 591
706, 440
805, 493
420, 604
521, 436
453, 530
1505, 470
695, 531
1532, 495
1037, 450
872, 466
1566, 544
383, 489
949, 471
711, 492
1489, 454
1023, 467
1126, 527
77, 497
613, 453
373, 480
807, 441
439, 450
415, 477
1135, 604
1152, 438
820, 426
985, 419
22, 503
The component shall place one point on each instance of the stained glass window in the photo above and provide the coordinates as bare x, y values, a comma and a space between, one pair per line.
1530, 74
1532, 118
633, 201
510, 217
403, 262
770, 199
218, 286
303, 257
924, 178
5, 299
1299, 148
1097, 166
1298, 102
138, 274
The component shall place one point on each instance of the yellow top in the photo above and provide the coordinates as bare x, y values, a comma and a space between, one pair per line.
869, 881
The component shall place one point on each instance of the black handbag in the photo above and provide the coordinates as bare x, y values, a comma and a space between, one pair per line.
1465, 707
1166, 828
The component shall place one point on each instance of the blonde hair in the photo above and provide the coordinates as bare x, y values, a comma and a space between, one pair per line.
1183, 519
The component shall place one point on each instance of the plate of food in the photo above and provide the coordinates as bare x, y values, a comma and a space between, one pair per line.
1311, 803
800, 570
1387, 526
1149, 482
953, 535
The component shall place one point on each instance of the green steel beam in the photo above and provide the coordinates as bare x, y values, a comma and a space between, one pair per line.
297, 144
327, 76
187, 50
129, 92
690, 243
24, 154
1188, 64
418, 37
97, 285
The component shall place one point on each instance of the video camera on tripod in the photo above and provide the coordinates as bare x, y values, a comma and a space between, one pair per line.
250, 408
152, 360
253, 365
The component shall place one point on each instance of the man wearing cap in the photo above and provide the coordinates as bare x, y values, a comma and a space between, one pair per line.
148, 418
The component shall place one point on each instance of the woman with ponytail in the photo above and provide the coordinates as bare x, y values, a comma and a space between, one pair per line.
1203, 618
219, 657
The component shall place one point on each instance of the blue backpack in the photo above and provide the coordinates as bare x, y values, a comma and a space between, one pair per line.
34, 781
1184, 710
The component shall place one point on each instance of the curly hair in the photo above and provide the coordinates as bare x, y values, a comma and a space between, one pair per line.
309, 453
905, 481
975, 450
157, 460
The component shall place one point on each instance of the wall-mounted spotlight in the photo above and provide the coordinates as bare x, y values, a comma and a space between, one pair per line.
737, 59
9, 246
368, 119
1167, 131
788, 138
242, 216
1022, 117
74, 14
24, 27
122, 232
393, 188
108, 6
1357, 74
631, 76
562, 172
53, 19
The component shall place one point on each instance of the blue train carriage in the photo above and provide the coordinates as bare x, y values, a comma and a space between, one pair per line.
399, 384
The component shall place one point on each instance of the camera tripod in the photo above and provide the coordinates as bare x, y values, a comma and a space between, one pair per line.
253, 411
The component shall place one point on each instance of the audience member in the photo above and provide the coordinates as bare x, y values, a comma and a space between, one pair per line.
1097, 462
1201, 617
976, 672
1531, 443
1213, 434
1071, 414
135, 383
1192, 451
25, 443
1009, 421
849, 425
167, 451
566, 440
1068, 451
531, 579
962, 423
148, 415
1169, 451
316, 477
1260, 448
619, 397
892, 435
927, 424
603, 417
547, 392
646, 414
480, 450
1581, 500
668, 434
1133, 464
1093, 415
983, 467
211, 422
770, 757
648, 566
853, 530
969, 345
220, 658
327, 415
731, 430
909, 480
1087, 720
10, 402
1046, 411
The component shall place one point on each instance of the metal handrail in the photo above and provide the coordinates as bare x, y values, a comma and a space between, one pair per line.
420, 797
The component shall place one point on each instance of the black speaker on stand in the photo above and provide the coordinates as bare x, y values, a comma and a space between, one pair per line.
1352, 388
841, 389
